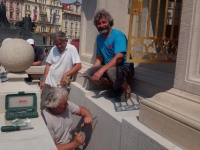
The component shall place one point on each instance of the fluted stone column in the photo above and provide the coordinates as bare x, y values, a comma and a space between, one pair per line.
187, 77
175, 114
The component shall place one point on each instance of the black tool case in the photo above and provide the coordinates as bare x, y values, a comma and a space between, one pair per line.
21, 105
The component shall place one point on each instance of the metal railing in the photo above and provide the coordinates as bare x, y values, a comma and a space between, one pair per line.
151, 38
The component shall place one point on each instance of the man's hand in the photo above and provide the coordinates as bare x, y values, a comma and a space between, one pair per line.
63, 80
87, 120
84, 74
78, 140
97, 75
86, 114
42, 85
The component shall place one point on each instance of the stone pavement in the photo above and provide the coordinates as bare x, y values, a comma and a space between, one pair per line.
38, 138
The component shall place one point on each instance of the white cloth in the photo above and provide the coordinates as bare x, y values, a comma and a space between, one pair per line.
60, 63
59, 126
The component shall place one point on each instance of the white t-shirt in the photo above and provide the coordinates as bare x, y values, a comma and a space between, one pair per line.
61, 63
59, 126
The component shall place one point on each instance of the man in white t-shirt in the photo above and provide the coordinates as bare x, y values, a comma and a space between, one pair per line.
63, 61
57, 116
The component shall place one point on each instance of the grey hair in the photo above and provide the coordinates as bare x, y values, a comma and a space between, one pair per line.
54, 97
103, 13
59, 35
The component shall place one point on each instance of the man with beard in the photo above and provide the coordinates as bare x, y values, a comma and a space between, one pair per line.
110, 66
63, 61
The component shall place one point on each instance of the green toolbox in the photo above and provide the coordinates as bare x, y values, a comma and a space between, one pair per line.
21, 105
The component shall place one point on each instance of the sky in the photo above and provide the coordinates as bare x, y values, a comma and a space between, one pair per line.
70, 1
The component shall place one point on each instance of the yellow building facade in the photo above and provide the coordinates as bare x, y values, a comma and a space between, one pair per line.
72, 20
47, 16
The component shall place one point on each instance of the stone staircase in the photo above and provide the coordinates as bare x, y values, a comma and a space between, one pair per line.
117, 125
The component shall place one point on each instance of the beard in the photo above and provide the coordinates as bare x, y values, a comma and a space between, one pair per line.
61, 50
104, 30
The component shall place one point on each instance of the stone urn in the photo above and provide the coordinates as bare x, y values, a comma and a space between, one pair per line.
16, 55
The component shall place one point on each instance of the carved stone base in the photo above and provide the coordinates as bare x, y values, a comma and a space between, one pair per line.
175, 115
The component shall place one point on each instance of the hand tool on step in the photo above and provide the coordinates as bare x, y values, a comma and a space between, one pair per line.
14, 128
75, 130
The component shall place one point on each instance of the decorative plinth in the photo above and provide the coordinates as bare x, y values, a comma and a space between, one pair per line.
175, 115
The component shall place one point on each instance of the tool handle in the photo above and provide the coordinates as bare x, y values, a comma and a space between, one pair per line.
9, 128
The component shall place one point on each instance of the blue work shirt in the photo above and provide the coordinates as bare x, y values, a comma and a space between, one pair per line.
115, 43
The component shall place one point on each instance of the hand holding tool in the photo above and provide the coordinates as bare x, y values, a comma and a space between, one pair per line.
76, 129
67, 81
14, 128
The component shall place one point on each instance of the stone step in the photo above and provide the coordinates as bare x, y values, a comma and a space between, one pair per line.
116, 126
175, 115
147, 82
136, 136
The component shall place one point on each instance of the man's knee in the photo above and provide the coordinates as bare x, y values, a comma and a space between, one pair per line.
111, 73
89, 72
92, 70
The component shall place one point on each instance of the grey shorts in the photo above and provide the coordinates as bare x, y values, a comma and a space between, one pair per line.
117, 75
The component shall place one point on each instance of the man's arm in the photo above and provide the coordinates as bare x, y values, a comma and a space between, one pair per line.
86, 114
98, 60
78, 140
46, 70
113, 63
39, 56
71, 72
37, 63
74, 70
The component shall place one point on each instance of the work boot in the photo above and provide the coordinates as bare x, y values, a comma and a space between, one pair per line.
114, 93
